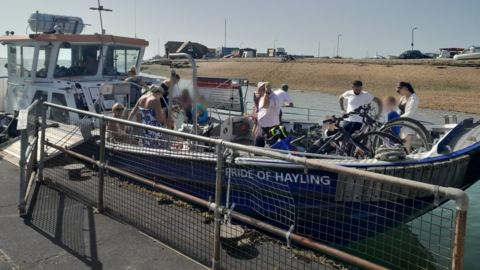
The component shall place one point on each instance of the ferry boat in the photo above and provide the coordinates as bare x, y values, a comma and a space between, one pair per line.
69, 69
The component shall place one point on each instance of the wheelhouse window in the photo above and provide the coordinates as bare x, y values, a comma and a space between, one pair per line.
77, 60
118, 59
20, 60
43, 61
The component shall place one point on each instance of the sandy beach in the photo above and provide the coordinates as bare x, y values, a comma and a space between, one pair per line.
440, 84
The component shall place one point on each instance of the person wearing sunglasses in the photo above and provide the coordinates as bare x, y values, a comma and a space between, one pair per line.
115, 130
330, 130
407, 107
136, 85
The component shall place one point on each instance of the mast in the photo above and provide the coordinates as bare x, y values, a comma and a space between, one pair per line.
100, 9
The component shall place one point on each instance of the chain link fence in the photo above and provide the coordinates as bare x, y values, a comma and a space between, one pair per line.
230, 206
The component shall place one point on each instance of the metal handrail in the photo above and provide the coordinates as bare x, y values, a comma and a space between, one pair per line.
459, 196
308, 114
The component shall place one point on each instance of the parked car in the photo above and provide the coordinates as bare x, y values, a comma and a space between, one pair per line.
413, 54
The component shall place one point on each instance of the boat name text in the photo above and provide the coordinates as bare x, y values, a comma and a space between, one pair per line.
279, 177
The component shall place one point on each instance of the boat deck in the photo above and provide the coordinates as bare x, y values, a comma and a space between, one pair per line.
65, 135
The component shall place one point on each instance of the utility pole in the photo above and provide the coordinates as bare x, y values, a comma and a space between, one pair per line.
338, 44
412, 36
225, 36
100, 9
318, 50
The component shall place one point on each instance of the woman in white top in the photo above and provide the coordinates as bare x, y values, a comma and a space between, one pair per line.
407, 107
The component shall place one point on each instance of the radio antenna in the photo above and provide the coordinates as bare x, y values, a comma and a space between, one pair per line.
135, 16
100, 9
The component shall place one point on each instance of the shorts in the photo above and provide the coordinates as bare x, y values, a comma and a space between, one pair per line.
407, 131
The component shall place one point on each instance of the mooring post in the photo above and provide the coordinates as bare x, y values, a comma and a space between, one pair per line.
101, 168
459, 243
218, 210
42, 142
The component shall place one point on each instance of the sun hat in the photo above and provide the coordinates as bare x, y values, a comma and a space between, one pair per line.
260, 84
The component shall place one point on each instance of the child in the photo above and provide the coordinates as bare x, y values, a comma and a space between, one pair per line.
329, 132
389, 104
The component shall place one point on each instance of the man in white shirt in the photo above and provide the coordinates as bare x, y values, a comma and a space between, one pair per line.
269, 108
356, 98
284, 97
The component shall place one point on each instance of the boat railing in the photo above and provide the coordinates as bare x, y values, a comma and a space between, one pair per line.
216, 203
297, 112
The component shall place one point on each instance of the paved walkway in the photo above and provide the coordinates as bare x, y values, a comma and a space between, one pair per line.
61, 233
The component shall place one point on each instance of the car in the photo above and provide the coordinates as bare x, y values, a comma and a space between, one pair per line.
227, 56
413, 54
378, 57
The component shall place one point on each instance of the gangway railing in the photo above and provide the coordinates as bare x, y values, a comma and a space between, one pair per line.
28, 124
302, 112
174, 194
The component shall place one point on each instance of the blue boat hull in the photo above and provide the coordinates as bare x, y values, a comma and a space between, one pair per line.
284, 196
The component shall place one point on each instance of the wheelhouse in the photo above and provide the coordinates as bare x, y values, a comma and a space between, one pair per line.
67, 69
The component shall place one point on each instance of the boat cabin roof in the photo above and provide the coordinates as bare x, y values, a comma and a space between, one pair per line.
74, 38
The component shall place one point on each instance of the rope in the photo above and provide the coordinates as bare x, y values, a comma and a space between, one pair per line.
394, 153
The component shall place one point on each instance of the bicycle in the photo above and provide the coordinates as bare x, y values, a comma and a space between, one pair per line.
370, 124
360, 146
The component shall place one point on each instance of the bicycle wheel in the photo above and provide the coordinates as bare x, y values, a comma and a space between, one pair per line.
422, 142
372, 140
411, 121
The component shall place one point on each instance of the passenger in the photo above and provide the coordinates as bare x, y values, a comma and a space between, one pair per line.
42, 73
407, 107
284, 98
186, 103
356, 98
118, 131
389, 104
166, 86
135, 87
152, 114
202, 109
269, 109
91, 64
329, 132
254, 114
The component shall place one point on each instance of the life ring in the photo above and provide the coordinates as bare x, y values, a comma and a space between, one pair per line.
204, 117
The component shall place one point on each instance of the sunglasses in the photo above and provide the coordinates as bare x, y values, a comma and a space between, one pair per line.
119, 109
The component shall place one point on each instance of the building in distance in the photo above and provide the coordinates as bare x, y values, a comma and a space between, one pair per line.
196, 50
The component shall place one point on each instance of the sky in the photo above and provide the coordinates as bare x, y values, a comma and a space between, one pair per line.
383, 26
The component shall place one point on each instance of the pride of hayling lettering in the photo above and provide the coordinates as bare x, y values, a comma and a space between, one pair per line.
279, 177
